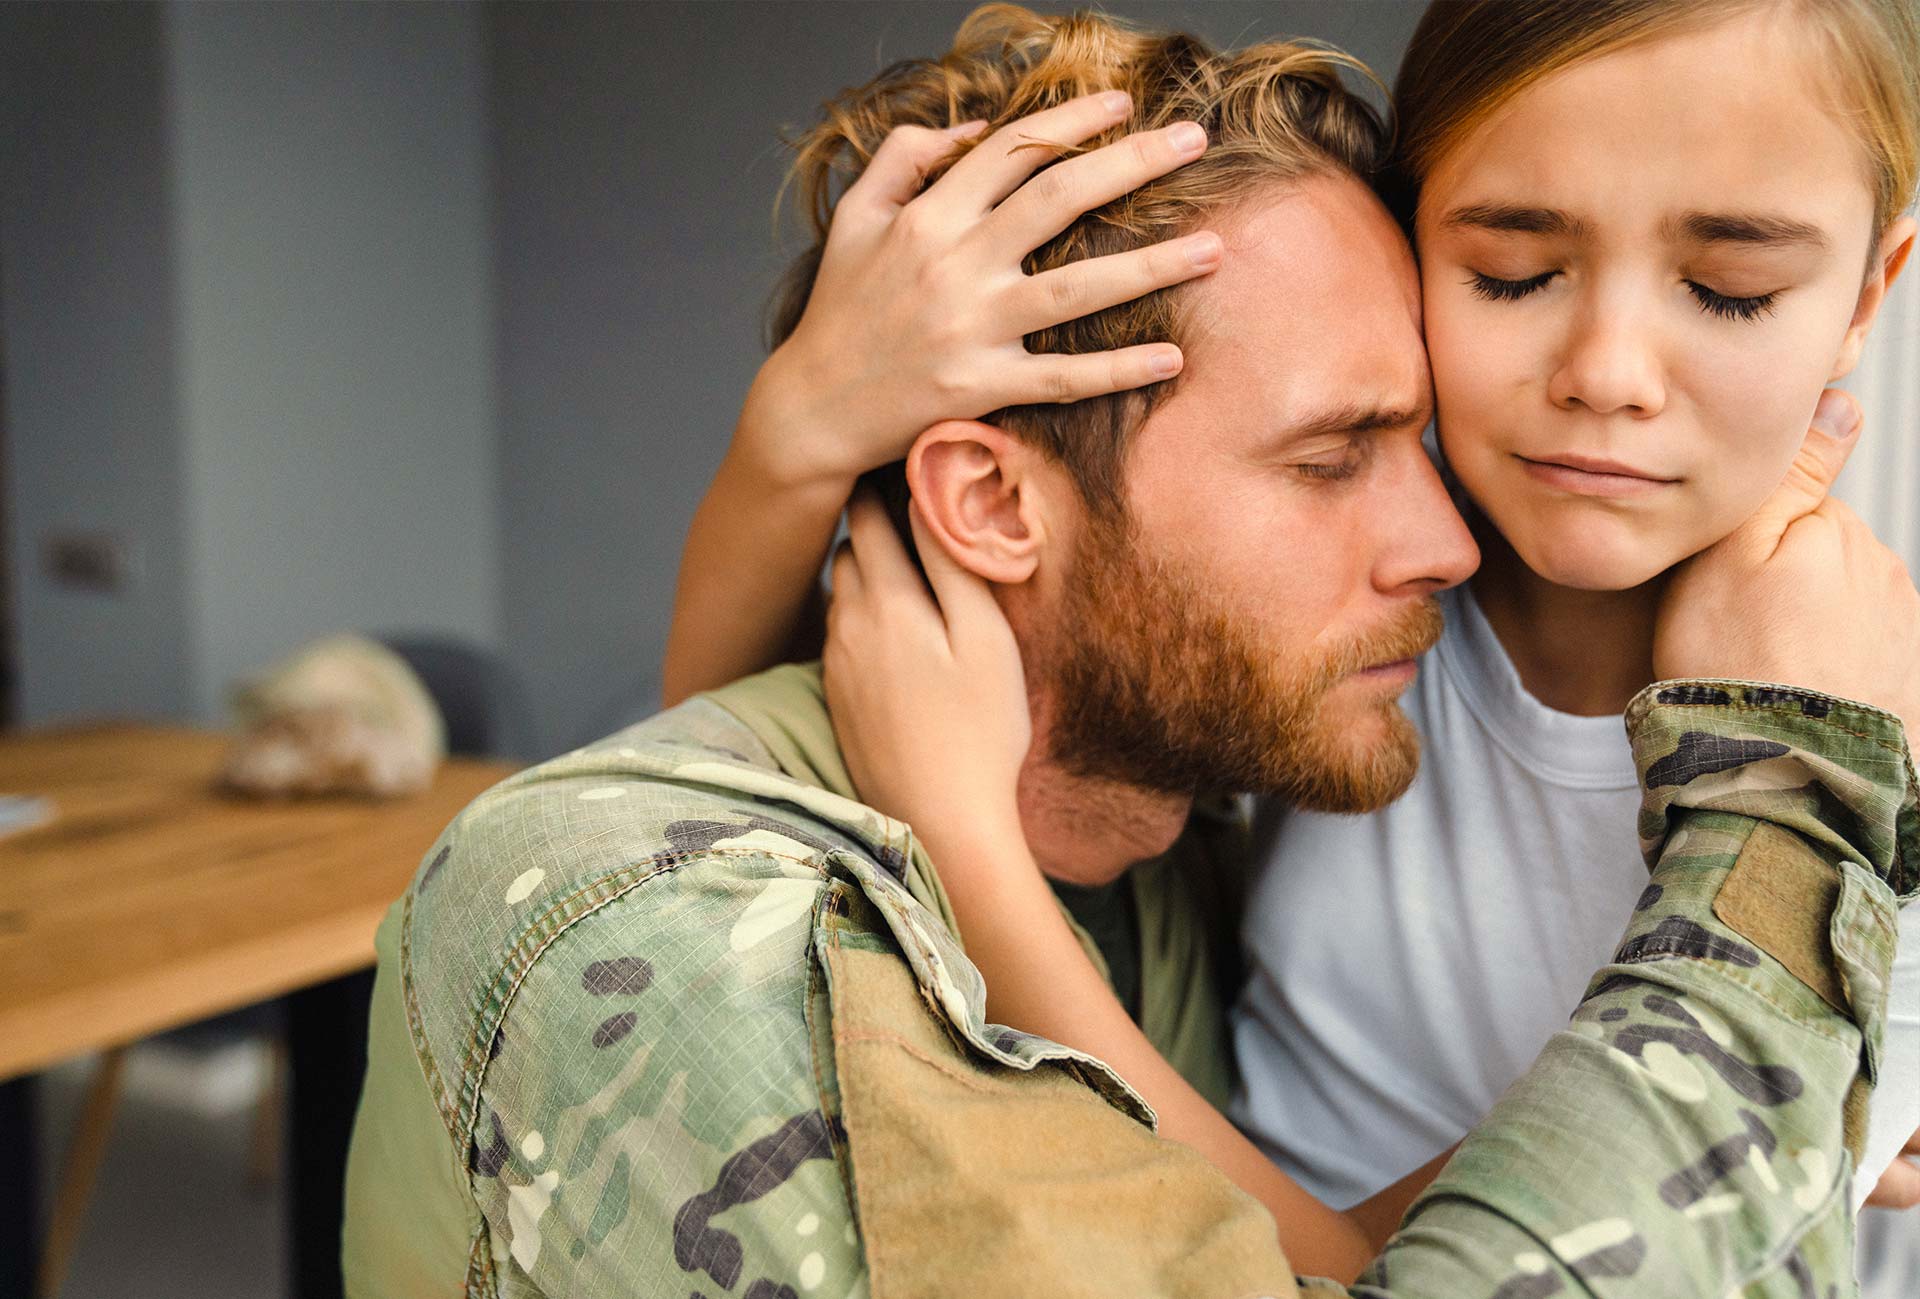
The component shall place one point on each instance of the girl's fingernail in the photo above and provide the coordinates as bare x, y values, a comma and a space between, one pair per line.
1165, 364
1117, 102
966, 129
1188, 137
1204, 250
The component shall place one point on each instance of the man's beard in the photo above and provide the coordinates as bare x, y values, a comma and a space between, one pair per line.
1156, 683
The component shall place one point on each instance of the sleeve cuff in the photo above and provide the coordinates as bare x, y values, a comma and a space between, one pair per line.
1834, 770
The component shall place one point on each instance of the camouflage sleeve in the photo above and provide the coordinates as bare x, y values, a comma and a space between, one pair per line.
1694, 1129
651, 1124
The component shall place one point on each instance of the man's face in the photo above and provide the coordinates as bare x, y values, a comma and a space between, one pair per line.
1252, 622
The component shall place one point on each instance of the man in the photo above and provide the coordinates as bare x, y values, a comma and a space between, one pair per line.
676, 1014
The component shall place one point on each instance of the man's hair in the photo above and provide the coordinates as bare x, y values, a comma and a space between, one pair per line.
1273, 112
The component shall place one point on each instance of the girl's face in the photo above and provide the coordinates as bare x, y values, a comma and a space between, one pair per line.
1639, 274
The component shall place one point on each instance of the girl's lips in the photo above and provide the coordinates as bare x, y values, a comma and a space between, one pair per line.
1593, 478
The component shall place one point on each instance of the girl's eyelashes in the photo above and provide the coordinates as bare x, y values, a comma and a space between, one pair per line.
1494, 289
1728, 307
1724, 305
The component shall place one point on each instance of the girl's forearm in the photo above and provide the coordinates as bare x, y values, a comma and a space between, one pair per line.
1040, 980
748, 590
1380, 1215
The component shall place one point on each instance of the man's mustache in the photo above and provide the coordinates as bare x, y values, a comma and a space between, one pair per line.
1406, 637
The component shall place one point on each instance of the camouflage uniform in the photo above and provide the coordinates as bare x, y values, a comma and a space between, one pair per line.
674, 1015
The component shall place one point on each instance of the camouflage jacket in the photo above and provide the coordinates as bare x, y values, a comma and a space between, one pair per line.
674, 1015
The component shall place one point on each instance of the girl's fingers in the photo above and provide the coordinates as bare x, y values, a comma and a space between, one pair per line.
892, 179
997, 165
847, 587
1056, 198
1831, 439
885, 565
1063, 377
963, 597
1096, 283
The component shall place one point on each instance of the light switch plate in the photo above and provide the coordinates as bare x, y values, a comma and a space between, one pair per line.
87, 561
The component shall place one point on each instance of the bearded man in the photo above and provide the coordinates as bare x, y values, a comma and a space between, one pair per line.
677, 1014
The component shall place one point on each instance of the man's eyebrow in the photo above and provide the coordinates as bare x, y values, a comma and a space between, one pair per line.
1513, 219
1357, 418
1744, 228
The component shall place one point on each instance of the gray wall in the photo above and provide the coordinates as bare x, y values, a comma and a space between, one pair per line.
331, 226
91, 369
247, 328
635, 162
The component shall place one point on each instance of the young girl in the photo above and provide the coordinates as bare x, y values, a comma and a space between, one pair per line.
1650, 233
1632, 266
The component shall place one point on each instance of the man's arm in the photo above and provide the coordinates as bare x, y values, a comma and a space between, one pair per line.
1694, 1129
652, 1121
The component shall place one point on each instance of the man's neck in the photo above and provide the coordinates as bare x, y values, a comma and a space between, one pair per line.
1087, 830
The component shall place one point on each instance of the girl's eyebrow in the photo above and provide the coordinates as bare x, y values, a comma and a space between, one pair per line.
1514, 219
1743, 228
1691, 227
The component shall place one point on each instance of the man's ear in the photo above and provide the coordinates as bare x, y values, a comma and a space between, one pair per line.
983, 494
1888, 259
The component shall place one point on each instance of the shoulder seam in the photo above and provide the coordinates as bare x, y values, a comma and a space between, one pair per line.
417, 1034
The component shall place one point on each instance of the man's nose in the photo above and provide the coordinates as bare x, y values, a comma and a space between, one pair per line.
1428, 546
1609, 364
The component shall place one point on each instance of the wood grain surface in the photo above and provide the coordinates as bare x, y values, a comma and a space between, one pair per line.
150, 899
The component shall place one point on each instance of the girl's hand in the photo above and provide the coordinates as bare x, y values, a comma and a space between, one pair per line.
918, 314
926, 691
920, 304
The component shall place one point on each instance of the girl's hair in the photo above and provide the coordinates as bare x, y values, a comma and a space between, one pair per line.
1467, 58
1273, 112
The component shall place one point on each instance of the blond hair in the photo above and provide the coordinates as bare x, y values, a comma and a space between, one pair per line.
1273, 112
1467, 58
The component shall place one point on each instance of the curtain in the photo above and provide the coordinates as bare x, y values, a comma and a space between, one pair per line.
1882, 480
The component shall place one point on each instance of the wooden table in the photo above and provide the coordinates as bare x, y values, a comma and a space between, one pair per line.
150, 900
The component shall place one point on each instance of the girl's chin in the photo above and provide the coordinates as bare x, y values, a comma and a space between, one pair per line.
1594, 562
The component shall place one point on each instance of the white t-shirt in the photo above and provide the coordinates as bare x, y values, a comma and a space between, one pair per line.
1408, 965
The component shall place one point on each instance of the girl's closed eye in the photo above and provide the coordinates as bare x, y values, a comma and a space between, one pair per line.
1495, 289
1731, 307
1727, 306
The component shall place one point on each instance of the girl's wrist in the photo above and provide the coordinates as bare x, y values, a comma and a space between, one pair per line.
792, 432
991, 839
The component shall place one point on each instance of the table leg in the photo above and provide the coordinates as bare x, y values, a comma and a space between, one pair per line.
20, 1187
327, 1048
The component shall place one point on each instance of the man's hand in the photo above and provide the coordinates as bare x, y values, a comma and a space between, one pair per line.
1801, 594
1899, 1186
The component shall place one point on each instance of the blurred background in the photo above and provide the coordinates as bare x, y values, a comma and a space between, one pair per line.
426, 320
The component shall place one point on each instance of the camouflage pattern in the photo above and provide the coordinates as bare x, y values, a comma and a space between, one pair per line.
1684, 1135
610, 973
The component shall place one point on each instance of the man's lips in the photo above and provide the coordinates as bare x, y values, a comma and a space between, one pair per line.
1399, 671
1592, 475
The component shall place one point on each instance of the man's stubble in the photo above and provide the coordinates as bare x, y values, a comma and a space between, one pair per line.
1158, 684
